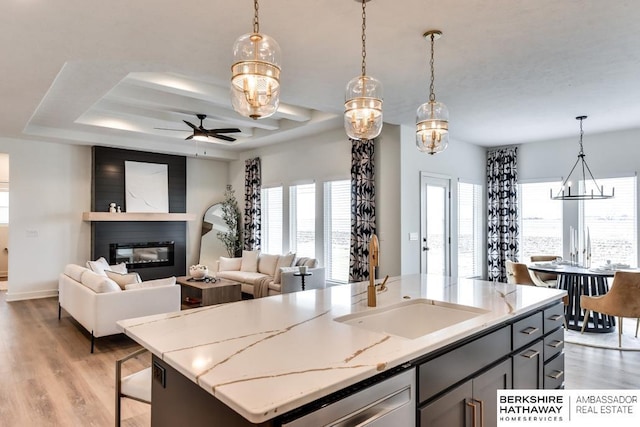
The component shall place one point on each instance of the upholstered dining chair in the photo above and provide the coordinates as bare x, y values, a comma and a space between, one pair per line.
518, 273
136, 386
548, 280
622, 300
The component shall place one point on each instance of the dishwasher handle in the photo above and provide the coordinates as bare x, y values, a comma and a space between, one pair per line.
376, 410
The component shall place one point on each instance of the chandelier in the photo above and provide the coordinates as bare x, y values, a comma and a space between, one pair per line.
432, 118
363, 97
581, 194
255, 81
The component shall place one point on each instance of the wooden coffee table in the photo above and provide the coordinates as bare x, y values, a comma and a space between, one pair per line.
196, 293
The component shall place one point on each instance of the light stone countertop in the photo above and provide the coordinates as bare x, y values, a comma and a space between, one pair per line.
267, 356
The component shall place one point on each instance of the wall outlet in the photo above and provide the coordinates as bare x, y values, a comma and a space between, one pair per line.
159, 374
413, 236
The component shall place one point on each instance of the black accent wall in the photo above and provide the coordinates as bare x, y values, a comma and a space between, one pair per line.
108, 185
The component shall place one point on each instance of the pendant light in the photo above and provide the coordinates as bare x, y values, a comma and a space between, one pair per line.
581, 194
363, 97
432, 118
255, 81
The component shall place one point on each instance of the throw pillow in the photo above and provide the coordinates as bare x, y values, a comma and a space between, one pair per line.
250, 261
167, 281
99, 283
98, 266
123, 279
118, 268
74, 271
283, 261
267, 264
229, 264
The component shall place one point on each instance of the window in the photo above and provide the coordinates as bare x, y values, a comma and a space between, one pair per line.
469, 230
540, 220
611, 223
302, 220
271, 209
4, 206
337, 229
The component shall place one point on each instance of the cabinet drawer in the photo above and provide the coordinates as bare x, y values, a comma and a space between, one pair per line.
554, 372
527, 330
527, 367
553, 317
553, 344
448, 369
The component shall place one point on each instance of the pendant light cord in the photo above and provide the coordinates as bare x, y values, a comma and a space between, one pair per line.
432, 94
256, 23
581, 134
364, 38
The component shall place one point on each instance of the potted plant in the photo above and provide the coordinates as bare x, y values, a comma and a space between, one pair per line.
230, 215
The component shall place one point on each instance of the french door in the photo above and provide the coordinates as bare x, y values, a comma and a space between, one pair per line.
435, 200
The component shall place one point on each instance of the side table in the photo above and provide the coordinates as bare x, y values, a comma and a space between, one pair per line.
302, 276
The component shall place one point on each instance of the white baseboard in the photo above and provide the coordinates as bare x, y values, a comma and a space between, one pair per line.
12, 296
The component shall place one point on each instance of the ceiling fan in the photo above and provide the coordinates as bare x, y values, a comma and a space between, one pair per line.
202, 131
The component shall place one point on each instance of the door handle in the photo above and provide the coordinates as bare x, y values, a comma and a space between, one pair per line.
425, 248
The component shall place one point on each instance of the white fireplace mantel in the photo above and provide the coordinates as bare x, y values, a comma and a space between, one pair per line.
137, 216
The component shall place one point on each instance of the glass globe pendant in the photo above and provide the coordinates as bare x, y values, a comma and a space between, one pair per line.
363, 98
432, 117
255, 81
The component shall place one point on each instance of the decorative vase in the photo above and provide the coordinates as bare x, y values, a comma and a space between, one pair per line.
198, 272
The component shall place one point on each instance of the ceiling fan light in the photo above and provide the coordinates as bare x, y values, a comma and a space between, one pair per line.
363, 108
255, 80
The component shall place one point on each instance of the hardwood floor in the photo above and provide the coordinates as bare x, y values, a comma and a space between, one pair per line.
49, 377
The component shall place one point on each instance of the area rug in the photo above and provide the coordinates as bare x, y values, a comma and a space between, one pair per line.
607, 340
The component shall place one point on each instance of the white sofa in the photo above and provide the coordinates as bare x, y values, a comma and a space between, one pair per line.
262, 275
98, 302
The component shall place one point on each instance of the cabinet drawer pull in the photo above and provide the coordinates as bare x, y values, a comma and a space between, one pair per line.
472, 403
530, 354
530, 330
555, 317
556, 374
555, 343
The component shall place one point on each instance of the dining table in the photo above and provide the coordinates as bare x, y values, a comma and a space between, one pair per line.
578, 281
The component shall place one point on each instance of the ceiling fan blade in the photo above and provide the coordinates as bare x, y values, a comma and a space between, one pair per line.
191, 125
223, 137
225, 130
189, 137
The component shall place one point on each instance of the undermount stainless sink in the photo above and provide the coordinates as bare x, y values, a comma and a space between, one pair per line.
412, 319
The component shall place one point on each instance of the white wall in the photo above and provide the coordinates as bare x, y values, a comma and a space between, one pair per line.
459, 161
50, 188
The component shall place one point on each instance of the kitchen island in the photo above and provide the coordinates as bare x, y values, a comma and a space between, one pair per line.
265, 358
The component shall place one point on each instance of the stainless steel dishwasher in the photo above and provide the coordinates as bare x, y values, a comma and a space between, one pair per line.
390, 402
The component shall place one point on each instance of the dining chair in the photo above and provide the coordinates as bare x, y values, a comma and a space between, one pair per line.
136, 386
518, 273
547, 280
622, 300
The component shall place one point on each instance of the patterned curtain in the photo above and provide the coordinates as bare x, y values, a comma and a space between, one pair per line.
502, 211
363, 208
252, 216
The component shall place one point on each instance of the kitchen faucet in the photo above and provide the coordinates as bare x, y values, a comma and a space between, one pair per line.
374, 249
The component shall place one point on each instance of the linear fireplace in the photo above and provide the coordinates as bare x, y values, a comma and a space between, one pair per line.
142, 254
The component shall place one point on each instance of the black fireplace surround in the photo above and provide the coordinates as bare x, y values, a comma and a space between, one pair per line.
108, 186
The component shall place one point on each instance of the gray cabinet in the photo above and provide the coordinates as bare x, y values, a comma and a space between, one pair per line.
458, 387
471, 403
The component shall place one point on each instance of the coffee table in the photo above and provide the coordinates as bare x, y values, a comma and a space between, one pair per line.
196, 293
